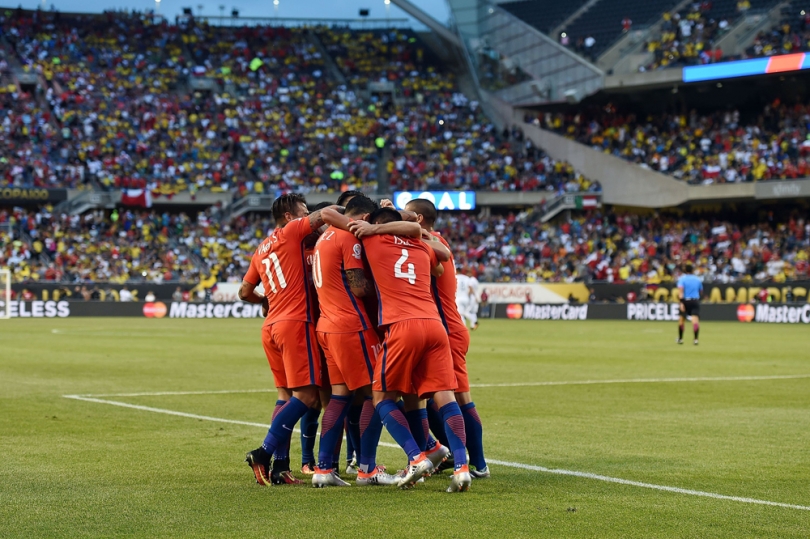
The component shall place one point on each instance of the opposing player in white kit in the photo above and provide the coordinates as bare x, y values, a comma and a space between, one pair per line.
472, 306
467, 298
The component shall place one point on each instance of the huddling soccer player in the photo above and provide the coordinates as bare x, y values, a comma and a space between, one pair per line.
288, 332
444, 292
350, 343
415, 357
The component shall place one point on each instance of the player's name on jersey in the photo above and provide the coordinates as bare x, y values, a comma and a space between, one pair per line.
652, 311
237, 309
783, 314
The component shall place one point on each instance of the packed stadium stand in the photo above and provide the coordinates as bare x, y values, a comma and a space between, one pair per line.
303, 109
278, 121
512, 247
722, 147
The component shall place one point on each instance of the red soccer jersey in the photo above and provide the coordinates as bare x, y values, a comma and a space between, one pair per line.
444, 293
280, 262
401, 269
341, 312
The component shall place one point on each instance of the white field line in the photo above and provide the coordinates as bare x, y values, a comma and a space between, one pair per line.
517, 384
542, 469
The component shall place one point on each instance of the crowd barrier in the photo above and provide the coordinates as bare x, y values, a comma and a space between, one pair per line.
772, 313
158, 309
795, 313
509, 293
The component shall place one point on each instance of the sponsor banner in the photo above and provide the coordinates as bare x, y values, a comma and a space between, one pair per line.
226, 292
652, 311
712, 292
31, 195
36, 309
537, 293
443, 200
610, 311
532, 311
769, 313
158, 309
184, 309
783, 189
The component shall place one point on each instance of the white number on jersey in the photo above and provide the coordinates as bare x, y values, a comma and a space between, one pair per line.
317, 276
410, 275
282, 282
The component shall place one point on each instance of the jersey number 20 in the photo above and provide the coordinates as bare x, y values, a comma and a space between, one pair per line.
410, 275
282, 282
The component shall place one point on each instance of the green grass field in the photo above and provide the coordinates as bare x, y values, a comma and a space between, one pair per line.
74, 468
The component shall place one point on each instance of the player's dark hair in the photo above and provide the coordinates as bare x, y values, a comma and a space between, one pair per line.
320, 206
688, 268
346, 195
286, 203
425, 208
359, 205
384, 215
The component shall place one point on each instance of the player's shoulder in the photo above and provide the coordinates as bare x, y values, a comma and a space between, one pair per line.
440, 238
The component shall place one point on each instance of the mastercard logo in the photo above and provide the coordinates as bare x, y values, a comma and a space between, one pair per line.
745, 313
154, 310
514, 310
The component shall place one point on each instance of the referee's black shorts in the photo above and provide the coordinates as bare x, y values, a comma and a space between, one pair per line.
691, 307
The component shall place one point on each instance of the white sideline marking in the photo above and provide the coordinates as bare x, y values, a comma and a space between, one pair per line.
543, 469
518, 384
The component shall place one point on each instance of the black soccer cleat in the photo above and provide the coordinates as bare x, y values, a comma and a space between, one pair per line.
259, 462
448, 464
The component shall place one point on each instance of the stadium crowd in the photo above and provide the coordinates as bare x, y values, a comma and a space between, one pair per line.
716, 148
117, 110
626, 248
153, 246
40, 245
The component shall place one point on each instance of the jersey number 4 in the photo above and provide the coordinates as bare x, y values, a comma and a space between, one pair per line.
282, 282
410, 275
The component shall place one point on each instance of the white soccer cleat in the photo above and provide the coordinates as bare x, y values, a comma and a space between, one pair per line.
437, 455
483, 473
376, 478
351, 468
416, 470
327, 478
461, 480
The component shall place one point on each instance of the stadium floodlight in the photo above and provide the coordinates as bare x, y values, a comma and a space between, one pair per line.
5, 295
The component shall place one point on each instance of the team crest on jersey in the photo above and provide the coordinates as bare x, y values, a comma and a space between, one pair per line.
357, 251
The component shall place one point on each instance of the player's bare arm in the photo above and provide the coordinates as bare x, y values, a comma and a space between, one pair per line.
362, 229
317, 219
442, 252
333, 216
358, 282
247, 292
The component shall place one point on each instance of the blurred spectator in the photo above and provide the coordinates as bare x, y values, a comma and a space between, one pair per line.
124, 294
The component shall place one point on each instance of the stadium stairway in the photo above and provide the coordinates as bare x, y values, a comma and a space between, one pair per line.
627, 53
745, 30
332, 69
623, 183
